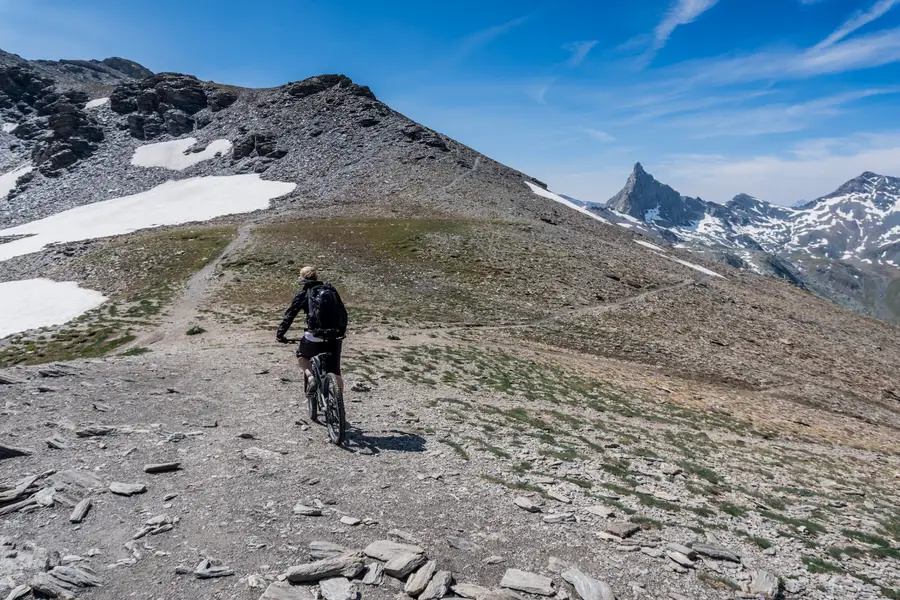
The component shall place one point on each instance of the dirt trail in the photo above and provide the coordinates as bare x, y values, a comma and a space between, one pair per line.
182, 314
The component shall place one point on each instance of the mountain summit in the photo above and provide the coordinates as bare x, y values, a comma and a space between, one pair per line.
858, 226
645, 198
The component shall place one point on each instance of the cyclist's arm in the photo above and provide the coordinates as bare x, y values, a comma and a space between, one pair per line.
298, 304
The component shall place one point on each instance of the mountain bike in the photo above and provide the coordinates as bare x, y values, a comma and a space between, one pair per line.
327, 399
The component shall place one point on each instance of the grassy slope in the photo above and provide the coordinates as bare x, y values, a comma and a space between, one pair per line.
140, 273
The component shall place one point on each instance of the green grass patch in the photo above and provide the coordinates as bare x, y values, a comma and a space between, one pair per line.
457, 447
700, 471
195, 330
811, 526
136, 351
731, 509
815, 564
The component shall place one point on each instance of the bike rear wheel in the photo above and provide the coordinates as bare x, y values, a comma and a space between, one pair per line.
335, 418
312, 404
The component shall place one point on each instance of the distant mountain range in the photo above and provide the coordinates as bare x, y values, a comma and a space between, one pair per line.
845, 245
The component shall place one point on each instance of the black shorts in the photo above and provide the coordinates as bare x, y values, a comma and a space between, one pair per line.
307, 349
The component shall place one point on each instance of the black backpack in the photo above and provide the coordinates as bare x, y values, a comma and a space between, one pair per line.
327, 316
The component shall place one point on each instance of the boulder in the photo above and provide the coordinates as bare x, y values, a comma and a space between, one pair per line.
178, 122
221, 99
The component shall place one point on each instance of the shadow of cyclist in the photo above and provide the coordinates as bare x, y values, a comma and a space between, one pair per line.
392, 441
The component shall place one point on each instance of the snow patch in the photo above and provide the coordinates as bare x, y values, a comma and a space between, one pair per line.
652, 214
96, 103
171, 203
8, 180
174, 155
695, 267
8, 127
649, 245
557, 198
34, 303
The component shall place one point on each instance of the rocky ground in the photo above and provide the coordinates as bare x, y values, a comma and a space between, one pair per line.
486, 458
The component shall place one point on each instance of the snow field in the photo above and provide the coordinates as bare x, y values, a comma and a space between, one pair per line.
174, 155
34, 303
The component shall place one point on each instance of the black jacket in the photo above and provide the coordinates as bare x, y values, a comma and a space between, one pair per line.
299, 303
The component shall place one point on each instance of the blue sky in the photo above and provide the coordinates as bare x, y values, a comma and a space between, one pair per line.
782, 99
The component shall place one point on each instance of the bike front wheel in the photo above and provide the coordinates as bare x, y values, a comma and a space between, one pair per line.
335, 418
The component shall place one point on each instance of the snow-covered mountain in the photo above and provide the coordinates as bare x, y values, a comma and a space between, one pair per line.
845, 245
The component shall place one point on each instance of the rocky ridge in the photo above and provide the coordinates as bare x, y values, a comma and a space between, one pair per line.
843, 246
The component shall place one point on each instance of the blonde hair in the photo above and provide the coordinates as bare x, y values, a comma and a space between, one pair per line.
309, 273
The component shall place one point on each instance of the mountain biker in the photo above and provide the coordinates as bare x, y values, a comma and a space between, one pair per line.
324, 332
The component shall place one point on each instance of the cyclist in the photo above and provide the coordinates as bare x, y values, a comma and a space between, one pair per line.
326, 324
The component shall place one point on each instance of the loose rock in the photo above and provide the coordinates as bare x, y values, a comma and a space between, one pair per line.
307, 511
530, 583
527, 504
127, 489
338, 588
438, 587
601, 511
80, 511
281, 590
319, 550
162, 467
717, 552
374, 574
586, 587
621, 529
401, 565
419, 581
207, 570
345, 565
765, 584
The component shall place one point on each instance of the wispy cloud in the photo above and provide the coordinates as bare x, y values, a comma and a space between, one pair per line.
772, 118
478, 40
579, 51
859, 19
599, 135
813, 168
860, 52
681, 13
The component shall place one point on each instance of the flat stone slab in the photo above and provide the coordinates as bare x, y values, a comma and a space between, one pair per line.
402, 565
530, 583
717, 552
385, 550
438, 587
599, 510
345, 565
621, 529
417, 583
338, 588
127, 489
587, 587
282, 590
527, 504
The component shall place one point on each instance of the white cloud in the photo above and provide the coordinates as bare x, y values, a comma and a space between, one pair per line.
681, 13
478, 40
579, 51
771, 118
861, 52
859, 19
812, 169
600, 136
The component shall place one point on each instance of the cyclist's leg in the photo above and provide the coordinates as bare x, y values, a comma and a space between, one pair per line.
304, 355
